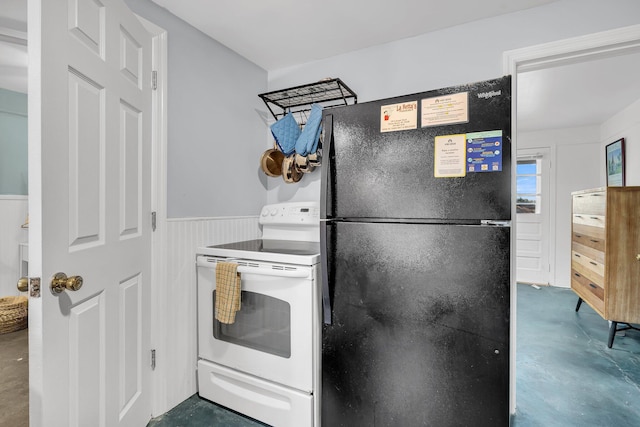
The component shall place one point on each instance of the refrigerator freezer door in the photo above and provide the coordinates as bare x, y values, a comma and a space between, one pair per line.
420, 332
368, 173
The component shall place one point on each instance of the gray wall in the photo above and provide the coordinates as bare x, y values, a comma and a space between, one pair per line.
216, 133
460, 54
217, 127
13, 143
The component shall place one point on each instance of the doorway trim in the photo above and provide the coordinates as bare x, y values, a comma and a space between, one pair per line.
600, 45
159, 207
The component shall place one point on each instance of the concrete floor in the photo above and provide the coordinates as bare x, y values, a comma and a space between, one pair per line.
14, 379
196, 412
565, 374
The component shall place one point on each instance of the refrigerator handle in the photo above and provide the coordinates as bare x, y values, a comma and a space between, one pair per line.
325, 187
324, 270
496, 223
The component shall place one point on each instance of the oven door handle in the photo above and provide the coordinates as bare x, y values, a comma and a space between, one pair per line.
297, 273
274, 272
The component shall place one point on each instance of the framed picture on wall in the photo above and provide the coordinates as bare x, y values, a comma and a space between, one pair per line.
615, 163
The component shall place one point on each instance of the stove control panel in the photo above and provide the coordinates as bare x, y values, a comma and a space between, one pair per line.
292, 213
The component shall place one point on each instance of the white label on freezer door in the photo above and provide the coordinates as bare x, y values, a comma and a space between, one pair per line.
401, 116
449, 157
445, 110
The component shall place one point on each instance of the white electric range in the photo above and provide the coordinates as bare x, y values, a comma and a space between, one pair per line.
266, 364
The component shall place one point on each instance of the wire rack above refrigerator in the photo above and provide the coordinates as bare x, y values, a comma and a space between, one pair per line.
298, 99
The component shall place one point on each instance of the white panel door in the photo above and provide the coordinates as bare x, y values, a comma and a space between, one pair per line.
532, 200
90, 180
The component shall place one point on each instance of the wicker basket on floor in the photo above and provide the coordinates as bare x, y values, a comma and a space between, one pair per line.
13, 314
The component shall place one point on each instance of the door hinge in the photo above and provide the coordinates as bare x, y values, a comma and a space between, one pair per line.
153, 221
153, 359
154, 80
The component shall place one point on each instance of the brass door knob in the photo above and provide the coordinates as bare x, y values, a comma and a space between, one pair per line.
60, 282
638, 257
23, 284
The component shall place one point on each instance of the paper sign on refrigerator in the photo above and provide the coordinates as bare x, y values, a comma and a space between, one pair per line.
400, 116
450, 156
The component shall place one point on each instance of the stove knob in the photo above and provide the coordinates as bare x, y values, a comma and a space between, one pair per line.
274, 212
264, 212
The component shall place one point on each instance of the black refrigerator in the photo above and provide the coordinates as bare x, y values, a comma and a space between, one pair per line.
416, 239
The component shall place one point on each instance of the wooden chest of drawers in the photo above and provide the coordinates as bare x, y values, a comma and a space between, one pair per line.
605, 251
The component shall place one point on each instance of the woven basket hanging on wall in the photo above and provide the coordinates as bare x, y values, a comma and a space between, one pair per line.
13, 314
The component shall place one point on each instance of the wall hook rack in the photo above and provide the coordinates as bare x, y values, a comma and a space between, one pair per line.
298, 99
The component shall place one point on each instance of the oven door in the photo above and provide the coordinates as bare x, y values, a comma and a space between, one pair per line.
272, 336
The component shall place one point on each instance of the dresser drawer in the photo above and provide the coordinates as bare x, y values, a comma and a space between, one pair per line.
588, 290
586, 240
588, 233
594, 253
589, 220
590, 264
593, 203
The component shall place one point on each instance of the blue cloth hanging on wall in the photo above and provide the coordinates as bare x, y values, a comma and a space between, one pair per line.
286, 133
309, 136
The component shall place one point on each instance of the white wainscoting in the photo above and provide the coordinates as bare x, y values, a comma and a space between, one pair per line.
176, 363
13, 213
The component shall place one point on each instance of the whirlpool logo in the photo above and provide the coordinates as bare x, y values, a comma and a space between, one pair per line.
487, 95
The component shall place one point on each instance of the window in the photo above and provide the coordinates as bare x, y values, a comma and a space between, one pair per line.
528, 186
263, 324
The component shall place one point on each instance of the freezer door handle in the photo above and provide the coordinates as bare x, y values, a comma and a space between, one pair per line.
326, 298
325, 187
496, 223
